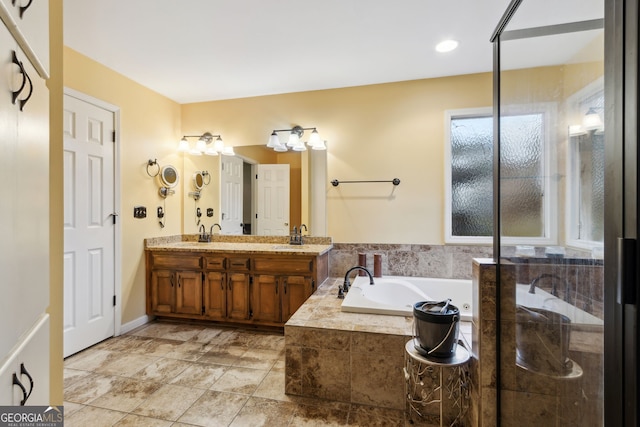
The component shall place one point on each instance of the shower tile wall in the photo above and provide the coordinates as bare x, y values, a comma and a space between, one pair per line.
445, 261
455, 262
549, 400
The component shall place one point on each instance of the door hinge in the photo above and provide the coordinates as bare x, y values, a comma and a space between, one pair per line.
251, 280
113, 136
114, 300
114, 216
256, 176
256, 216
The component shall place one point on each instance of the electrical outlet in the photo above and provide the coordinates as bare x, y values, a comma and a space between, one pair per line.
139, 212
210, 212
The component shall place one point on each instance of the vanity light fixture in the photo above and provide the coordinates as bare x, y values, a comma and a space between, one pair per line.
206, 144
294, 142
591, 121
446, 46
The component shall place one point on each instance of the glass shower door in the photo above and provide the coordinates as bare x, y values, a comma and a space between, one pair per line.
549, 203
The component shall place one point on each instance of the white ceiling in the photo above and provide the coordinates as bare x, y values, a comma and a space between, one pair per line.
202, 50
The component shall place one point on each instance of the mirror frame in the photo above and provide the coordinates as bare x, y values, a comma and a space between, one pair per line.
165, 175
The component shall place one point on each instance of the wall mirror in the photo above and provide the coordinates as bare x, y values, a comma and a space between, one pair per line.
307, 202
169, 176
199, 180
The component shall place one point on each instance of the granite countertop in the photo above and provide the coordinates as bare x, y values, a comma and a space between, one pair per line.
238, 244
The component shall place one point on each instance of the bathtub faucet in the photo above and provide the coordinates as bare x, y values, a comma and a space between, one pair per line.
554, 289
347, 285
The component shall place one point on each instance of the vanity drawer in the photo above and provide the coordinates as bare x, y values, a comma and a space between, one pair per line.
238, 263
161, 260
214, 262
283, 265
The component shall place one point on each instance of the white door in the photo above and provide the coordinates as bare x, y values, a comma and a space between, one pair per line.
231, 195
89, 230
273, 200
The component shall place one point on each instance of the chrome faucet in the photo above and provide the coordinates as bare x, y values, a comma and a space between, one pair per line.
211, 229
305, 228
203, 235
295, 238
347, 284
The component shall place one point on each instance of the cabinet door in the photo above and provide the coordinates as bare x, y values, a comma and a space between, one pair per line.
215, 295
295, 291
24, 217
30, 365
237, 296
265, 298
189, 292
12, 289
162, 291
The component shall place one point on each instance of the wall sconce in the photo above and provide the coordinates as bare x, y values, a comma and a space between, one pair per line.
592, 120
206, 144
295, 143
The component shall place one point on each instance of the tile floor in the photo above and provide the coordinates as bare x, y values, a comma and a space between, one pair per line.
175, 374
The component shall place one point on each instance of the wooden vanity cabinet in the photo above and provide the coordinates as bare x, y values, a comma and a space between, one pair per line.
188, 292
215, 295
238, 295
175, 284
162, 293
276, 298
258, 289
265, 298
296, 290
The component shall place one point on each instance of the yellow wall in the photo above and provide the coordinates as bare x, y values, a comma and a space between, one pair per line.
56, 212
376, 132
373, 132
150, 129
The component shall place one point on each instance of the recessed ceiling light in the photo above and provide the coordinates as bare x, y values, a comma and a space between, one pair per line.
446, 46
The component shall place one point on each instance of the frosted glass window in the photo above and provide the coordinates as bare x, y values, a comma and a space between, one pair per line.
471, 177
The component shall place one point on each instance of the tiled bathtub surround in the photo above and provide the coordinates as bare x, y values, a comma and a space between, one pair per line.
347, 357
444, 261
179, 374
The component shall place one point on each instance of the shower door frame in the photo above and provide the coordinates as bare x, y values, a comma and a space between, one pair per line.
621, 376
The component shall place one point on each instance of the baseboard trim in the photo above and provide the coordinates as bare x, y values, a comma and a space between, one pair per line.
130, 326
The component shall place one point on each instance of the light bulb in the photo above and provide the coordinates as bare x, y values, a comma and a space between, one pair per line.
183, 145
320, 146
201, 145
273, 140
218, 145
294, 139
314, 139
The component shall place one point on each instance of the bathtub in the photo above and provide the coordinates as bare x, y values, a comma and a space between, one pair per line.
545, 300
396, 295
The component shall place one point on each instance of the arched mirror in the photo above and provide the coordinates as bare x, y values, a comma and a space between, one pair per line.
169, 176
